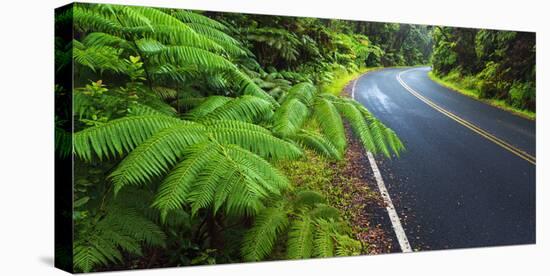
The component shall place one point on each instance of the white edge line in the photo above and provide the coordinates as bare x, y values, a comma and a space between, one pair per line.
392, 213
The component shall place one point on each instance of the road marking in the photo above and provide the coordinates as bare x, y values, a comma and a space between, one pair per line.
392, 213
353, 87
529, 158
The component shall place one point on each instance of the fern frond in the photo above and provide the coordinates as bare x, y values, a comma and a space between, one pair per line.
259, 240
378, 131
118, 136
160, 109
245, 108
394, 142
300, 238
289, 117
130, 223
88, 20
203, 59
165, 93
157, 154
359, 125
257, 141
63, 142
234, 124
100, 58
208, 105
324, 241
318, 143
327, 212
347, 246
304, 92
238, 181
330, 122
231, 45
308, 199
195, 18
248, 87
99, 39
121, 228
174, 189
391, 137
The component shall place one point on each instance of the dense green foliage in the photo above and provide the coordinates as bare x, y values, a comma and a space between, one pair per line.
179, 118
495, 64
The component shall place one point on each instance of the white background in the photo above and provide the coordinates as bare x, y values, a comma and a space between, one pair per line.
26, 133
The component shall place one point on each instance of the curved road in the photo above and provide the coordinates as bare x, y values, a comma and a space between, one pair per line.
453, 187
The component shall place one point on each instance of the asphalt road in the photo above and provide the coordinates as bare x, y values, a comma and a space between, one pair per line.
453, 188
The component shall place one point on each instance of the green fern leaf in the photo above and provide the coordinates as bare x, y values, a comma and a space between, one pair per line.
324, 241
118, 136
157, 154
268, 225
318, 143
289, 117
330, 122
300, 238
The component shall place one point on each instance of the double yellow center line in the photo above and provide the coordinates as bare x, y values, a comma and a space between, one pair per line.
529, 158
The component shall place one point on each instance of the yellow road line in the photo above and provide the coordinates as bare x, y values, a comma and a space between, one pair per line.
529, 158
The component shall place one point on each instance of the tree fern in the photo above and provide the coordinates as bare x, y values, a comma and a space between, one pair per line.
289, 117
300, 238
245, 108
206, 106
174, 189
238, 181
304, 91
318, 143
231, 45
157, 154
195, 18
120, 229
347, 246
99, 58
324, 238
263, 144
99, 39
168, 40
308, 199
118, 136
260, 239
330, 122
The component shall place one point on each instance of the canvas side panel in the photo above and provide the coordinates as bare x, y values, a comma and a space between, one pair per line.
63, 138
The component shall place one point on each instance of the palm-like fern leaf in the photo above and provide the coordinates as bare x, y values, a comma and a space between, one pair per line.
174, 189
324, 238
347, 246
308, 198
157, 154
99, 58
289, 117
330, 122
98, 39
256, 140
118, 136
121, 228
195, 18
208, 105
359, 125
231, 45
317, 143
238, 181
300, 238
245, 108
305, 92
260, 239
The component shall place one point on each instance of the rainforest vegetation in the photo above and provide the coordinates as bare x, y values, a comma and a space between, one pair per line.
188, 128
488, 64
